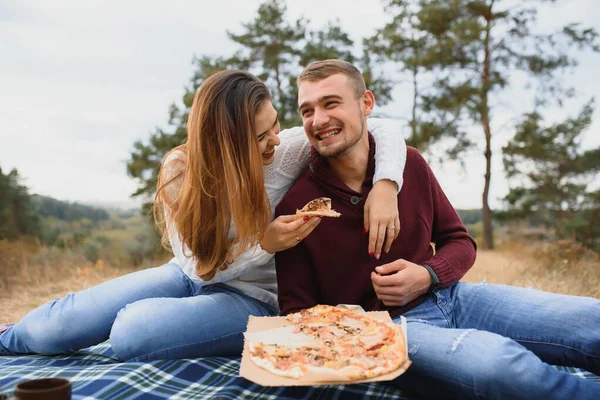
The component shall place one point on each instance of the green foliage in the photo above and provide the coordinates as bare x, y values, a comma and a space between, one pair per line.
123, 238
467, 50
48, 207
469, 217
17, 217
270, 47
273, 48
556, 174
145, 159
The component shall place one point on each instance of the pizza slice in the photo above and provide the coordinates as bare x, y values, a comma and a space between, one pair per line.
320, 207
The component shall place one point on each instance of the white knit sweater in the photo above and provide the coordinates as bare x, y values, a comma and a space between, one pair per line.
253, 272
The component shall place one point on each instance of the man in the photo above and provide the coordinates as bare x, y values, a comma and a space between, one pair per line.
465, 340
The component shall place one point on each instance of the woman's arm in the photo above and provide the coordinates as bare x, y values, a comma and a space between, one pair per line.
390, 155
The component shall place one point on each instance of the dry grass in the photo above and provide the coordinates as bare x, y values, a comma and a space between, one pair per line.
31, 274
27, 281
562, 267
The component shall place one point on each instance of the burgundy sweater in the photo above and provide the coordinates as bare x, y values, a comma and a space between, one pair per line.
332, 264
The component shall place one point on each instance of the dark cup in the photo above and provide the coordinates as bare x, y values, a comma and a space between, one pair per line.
47, 389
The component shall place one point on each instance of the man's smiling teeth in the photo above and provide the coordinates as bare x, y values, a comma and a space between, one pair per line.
329, 134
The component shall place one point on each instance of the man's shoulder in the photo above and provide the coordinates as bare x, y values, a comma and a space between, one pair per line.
414, 158
414, 155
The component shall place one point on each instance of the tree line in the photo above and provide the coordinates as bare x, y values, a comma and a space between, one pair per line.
24, 214
460, 57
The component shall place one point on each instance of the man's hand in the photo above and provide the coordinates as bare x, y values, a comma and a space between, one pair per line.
400, 282
287, 231
381, 216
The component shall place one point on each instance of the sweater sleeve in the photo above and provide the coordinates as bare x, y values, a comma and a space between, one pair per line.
390, 156
296, 284
455, 249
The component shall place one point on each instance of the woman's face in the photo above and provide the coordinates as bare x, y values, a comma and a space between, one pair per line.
266, 126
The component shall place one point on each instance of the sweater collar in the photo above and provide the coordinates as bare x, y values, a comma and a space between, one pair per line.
322, 171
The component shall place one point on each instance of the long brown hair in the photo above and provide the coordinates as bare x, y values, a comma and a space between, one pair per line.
218, 178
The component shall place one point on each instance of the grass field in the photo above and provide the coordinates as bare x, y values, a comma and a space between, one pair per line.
557, 267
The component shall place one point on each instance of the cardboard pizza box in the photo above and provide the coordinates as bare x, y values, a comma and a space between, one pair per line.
258, 375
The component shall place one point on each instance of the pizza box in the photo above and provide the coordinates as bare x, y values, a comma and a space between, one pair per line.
253, 373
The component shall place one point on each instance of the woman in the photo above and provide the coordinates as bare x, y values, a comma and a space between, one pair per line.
199, 303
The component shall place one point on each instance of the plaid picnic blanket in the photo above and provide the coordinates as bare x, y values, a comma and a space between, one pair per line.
95, 373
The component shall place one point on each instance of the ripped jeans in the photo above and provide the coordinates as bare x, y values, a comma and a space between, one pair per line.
497, 342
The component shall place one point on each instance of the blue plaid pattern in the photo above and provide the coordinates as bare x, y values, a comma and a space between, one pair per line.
96, 373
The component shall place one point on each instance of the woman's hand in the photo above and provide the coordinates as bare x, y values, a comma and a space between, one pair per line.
381, 216
287, 231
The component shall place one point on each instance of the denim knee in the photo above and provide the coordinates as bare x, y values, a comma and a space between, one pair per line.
51, 333
128, 338
506, 370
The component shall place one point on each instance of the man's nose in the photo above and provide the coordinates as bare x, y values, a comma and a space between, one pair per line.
320, 118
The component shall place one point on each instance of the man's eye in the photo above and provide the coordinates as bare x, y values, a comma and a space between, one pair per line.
306, 113
330, 104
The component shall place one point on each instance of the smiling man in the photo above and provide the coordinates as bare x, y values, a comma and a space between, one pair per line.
465, 340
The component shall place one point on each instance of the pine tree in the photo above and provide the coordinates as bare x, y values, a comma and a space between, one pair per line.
473, 48
554, 174
275, 50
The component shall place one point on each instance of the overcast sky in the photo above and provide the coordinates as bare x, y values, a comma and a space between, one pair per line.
81, 81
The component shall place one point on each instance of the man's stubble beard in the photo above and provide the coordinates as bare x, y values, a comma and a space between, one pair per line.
346, 147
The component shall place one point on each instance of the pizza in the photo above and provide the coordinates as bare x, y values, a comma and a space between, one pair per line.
327, 343
318, 207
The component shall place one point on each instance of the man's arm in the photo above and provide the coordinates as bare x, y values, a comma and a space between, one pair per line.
455, 249
296, 282
399, 282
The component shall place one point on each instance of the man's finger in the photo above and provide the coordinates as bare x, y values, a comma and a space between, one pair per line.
389, 297
393, 301
392, 267
375, 278
393, 291
385, 281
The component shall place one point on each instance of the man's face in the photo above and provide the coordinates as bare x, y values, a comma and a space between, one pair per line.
266, 126
334, 119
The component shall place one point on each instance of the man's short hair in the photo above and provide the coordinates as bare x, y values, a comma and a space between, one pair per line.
319, 70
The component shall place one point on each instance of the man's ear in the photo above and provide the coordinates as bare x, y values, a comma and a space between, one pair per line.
368, 101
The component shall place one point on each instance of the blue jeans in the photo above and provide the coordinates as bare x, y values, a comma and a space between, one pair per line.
157, 313
497, 342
